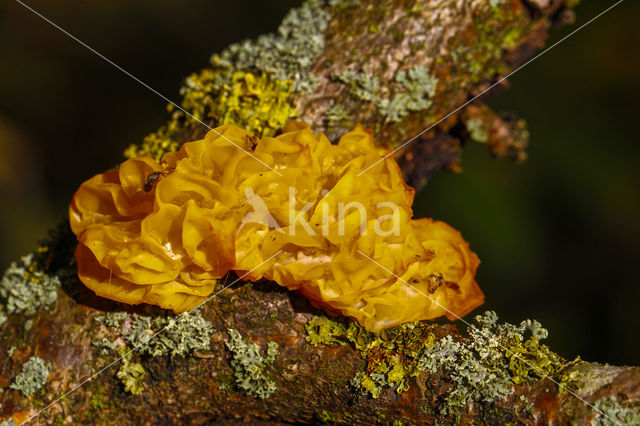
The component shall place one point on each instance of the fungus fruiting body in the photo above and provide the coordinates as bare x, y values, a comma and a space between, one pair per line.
294, 209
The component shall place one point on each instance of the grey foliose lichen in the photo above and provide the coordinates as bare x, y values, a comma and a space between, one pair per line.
285, 55
361, 84
249, 365
415, 88
158, 335
336, 115
24, 289
181, 334
105, 345
8, 422
111, 319
32, 377
614, 413
480, 373
477, 130
486, 365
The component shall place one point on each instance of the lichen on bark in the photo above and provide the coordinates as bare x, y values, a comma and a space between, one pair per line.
460, 49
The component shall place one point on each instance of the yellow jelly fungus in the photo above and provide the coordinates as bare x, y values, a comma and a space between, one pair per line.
163, 233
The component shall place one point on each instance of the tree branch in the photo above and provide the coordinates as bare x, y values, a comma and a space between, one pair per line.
397, 67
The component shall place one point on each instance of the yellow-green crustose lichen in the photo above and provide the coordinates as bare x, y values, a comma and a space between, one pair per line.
257, 103
391, 355
160, 142
32, 377
25, 288
484, 366
250, 366
249, 83
131, 374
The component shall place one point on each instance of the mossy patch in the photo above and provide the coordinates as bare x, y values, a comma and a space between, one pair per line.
98, 400
498, 27
325, 417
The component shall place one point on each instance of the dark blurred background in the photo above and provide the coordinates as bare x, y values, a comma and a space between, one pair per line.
559, 236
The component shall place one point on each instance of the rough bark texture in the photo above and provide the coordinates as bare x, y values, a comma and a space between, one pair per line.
467, 46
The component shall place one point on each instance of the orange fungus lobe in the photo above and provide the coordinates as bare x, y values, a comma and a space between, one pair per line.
163, 233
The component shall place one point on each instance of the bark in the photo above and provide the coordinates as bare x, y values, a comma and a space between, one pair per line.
313, 382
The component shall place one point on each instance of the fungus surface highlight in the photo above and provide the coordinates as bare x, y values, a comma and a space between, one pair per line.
163, 233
